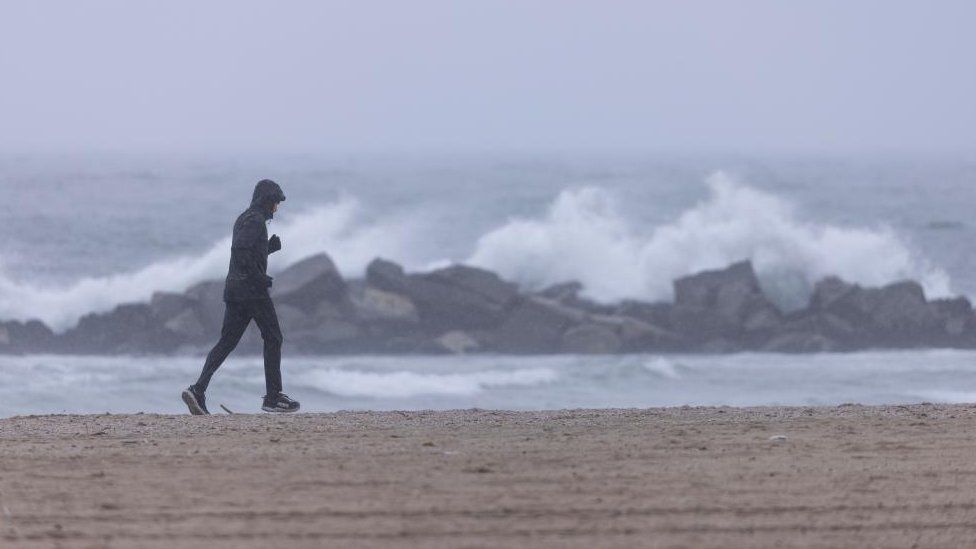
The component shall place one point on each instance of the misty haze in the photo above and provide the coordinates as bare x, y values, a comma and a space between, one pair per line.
527, 270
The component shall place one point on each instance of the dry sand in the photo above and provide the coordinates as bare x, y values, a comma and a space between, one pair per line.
851, 476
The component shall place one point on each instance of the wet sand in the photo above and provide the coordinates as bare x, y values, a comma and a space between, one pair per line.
850, 476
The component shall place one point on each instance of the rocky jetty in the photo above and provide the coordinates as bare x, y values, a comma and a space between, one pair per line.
462, 309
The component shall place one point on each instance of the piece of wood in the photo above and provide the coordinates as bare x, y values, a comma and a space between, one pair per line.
226, 409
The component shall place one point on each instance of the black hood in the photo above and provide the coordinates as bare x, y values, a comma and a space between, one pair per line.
266, 193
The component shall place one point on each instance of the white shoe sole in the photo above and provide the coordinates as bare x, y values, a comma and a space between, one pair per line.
192, 404
279, 410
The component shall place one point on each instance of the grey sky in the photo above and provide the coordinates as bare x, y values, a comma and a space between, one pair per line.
487, 75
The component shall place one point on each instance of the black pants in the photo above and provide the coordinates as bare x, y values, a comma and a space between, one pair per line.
236, 318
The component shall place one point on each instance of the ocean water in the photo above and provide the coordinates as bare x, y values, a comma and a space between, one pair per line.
59, 384
85, 233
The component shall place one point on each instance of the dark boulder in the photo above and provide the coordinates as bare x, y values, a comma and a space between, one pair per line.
327, 336
478, 281
310, 282
292, 319
167, 305
698, 325
726, 292
324, 330
720, 346
902, 314
568, 293
657, 314
183, 316
832, 294
379, 307
535, 325
814, 326
32, 336
727, 304
386, 316
187, 327
208, 298
957, 320
460, 297
591, 339
386, 275
896, 315
129, 328
639, 336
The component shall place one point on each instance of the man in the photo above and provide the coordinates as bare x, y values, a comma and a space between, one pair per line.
246, 297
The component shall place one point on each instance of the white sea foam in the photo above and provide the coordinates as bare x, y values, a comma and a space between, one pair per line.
403, 384
584, 237
662, 367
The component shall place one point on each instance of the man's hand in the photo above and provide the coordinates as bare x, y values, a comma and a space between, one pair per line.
274, 244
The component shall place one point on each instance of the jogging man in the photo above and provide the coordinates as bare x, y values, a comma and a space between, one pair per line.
247, 298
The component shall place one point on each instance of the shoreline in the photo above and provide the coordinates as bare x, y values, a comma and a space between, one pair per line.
850, 475
329, 384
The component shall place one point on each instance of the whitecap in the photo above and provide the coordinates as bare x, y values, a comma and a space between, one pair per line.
583, 236
403, 384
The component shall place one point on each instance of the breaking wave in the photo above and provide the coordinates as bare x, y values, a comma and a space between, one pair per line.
583, 236
404, 384
662, 367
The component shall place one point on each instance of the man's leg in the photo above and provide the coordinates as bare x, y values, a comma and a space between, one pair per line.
264, 315
236, 318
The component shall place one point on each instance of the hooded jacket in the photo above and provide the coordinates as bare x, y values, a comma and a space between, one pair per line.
247, 276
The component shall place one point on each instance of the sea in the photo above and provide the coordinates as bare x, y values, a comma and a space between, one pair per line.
85, 232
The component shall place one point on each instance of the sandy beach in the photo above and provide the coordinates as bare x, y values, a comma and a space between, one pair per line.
850, 476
